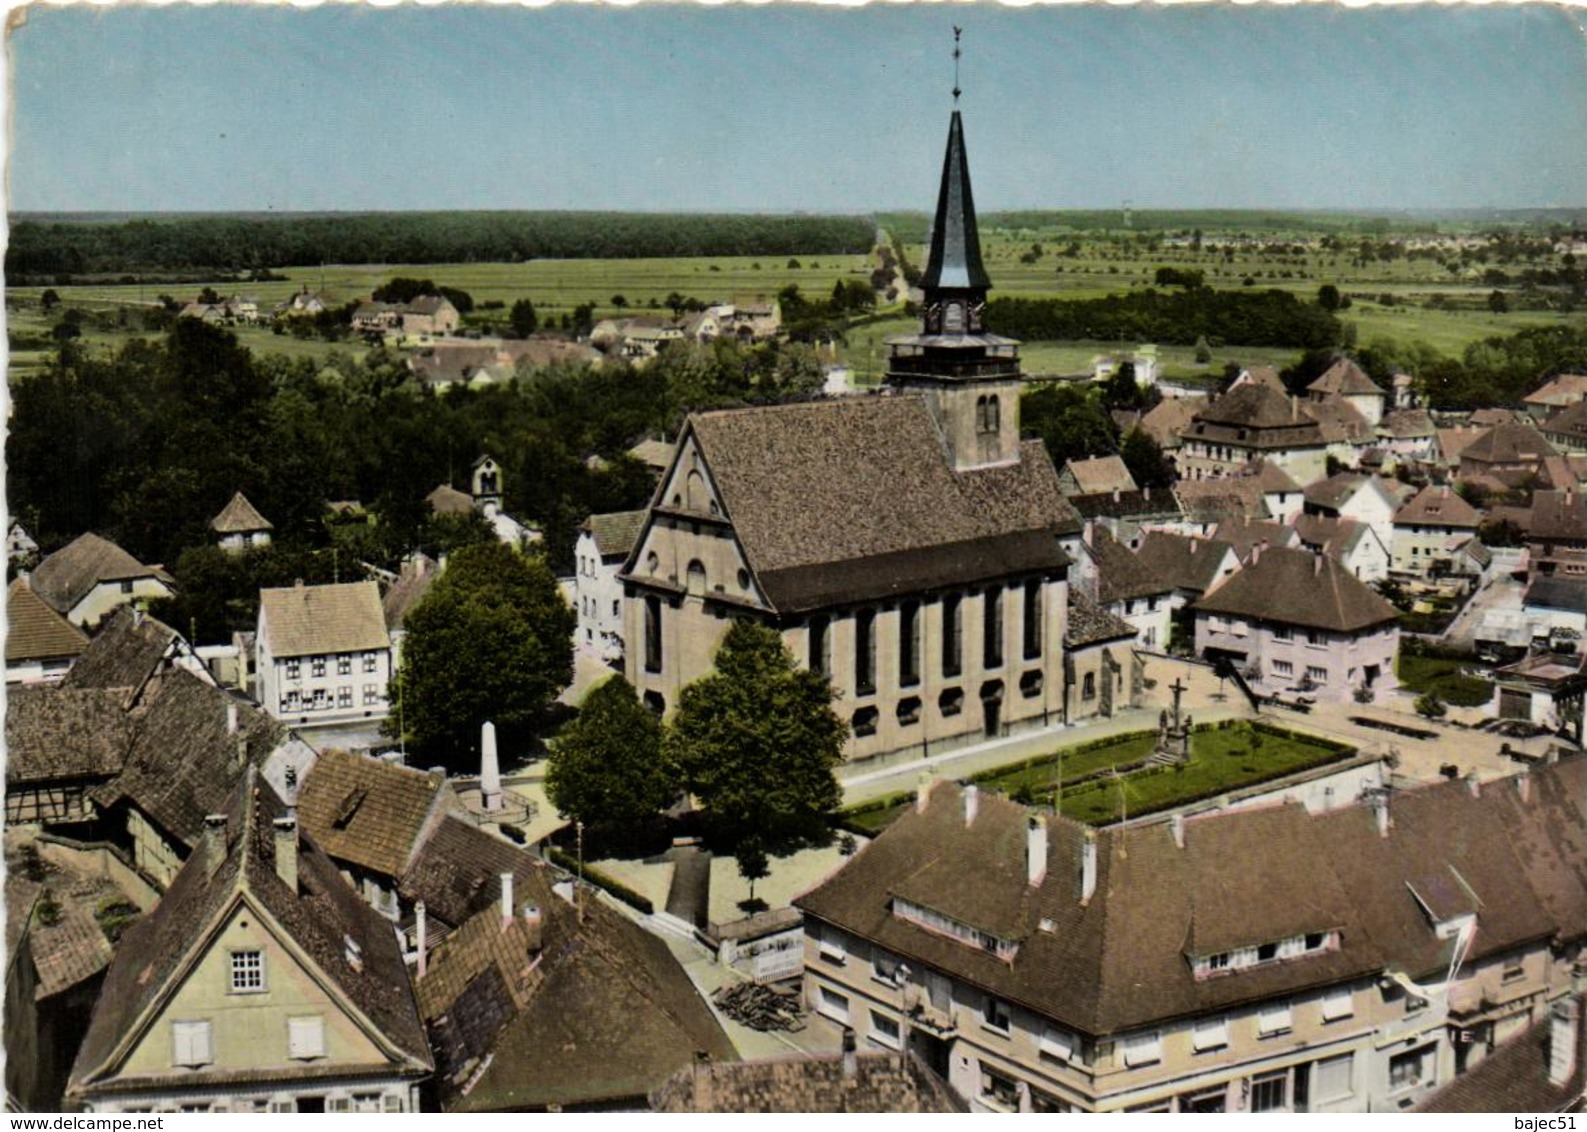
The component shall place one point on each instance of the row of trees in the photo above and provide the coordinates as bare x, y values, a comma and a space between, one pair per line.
1240, 318
45, 252
755, 742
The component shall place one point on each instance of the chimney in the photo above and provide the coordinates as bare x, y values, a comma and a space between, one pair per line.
231, 719
972, 802
421, 930
1176, 826
564, 889
1564, 1035
242, 750
287, 852
1380, 811
1088, 533
506, 899
1088, 866
703, 1096
489, 769
1256, 550
1473, 786
1317, 563
214, 840
1035, 850
923, 786
851, 1059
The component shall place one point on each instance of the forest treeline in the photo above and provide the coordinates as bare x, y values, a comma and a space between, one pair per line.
43, 251
1233, 318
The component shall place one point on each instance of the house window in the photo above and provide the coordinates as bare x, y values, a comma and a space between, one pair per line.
864, 722
995, 1015
1030, 684
1270, 1092
1283, 633
1412, 1068
820, 646
617, 611
952, 635
652, 634
306, 1037
1088, 686
865, 653
832, 951
992, 627
909, 644
344, 665
190, 1044
1331, 1078
1316, 637
1337, 1004
344, 696
831, 1004
1210, 1033
371, 662
1143, 1049
247, 972
371, 694
1033, 614
909, 711
1316, 675
884, 968
951, 702
294, 669
317, 666
1000, 1090
1057, 1045
1283, 668
1273, 1020
291, 702
884, 1030
322, 699
1514, 969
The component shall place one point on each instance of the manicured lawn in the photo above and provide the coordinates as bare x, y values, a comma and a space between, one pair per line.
1443, 677
1221, 759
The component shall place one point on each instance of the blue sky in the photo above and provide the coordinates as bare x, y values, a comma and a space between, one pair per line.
782, 107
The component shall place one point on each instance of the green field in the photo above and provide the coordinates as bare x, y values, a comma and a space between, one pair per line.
1445, 678
1222, 758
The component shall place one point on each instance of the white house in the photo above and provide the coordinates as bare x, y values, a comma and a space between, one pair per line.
1429, 528
603, 545
241, 527
323, 654
90, 576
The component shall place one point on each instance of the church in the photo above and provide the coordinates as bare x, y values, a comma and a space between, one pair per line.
908, 544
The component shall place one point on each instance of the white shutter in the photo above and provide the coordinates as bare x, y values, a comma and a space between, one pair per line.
1143, 1049
1057, 1044
1210, 1033
190, 1041
1332, 1078
306, 1037
1337, 1004
1273, 1019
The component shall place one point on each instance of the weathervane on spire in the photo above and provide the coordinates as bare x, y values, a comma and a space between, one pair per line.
957, 32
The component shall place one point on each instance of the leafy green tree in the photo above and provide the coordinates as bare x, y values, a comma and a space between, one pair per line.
753, 865
1203, 351
403, 289
606, 766
1145, 460
675, 302
491, 640
1070, 420
50, 299
523, 318
1429, 706
756, 741
619, 301
1498, 302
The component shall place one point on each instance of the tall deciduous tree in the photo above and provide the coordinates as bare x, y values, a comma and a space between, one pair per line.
523, 318
756, 741
606, 766
491, 640
1145, 460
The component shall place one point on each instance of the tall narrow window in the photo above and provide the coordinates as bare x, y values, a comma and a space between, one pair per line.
820, 646
909, 644
864, 653
992, 627
980, 414
952, 636
1033, 616
652, 634
994, 421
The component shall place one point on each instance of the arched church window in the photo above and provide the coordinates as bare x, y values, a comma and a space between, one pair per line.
696, 577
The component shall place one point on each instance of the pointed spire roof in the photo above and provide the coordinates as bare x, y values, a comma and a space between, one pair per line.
955, 259
240, 516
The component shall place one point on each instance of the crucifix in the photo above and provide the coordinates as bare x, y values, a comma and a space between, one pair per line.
1179, 689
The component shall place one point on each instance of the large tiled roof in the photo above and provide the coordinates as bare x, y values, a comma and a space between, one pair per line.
125, 653
1191, 564
1331, 535
1272, 479
55, 733
1344, 377
1141, 504
447, 500
1515, 1077
1296, 587
319, 917
308, 620
184, 760
1438, 505
1164, 421
1256, 406
1121, 960
1339, 421
457, 870
803, 486
1557, 591
368, 812
1215, 500
34, 631
1405, 424
876, 1081
1562, 390
1335, 491
1089, 624
239, 517
1243, 535
70, 574
1264, 375
1120, 575
1559, 515
616, 532
1511, 443
581, 1009
1099, 473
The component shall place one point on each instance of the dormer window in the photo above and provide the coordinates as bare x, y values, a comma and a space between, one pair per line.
935, 921
1260, 955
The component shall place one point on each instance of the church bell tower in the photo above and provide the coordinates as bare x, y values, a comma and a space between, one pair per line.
970, 378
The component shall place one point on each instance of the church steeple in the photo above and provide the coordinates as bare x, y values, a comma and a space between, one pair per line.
970, 378
954, 263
